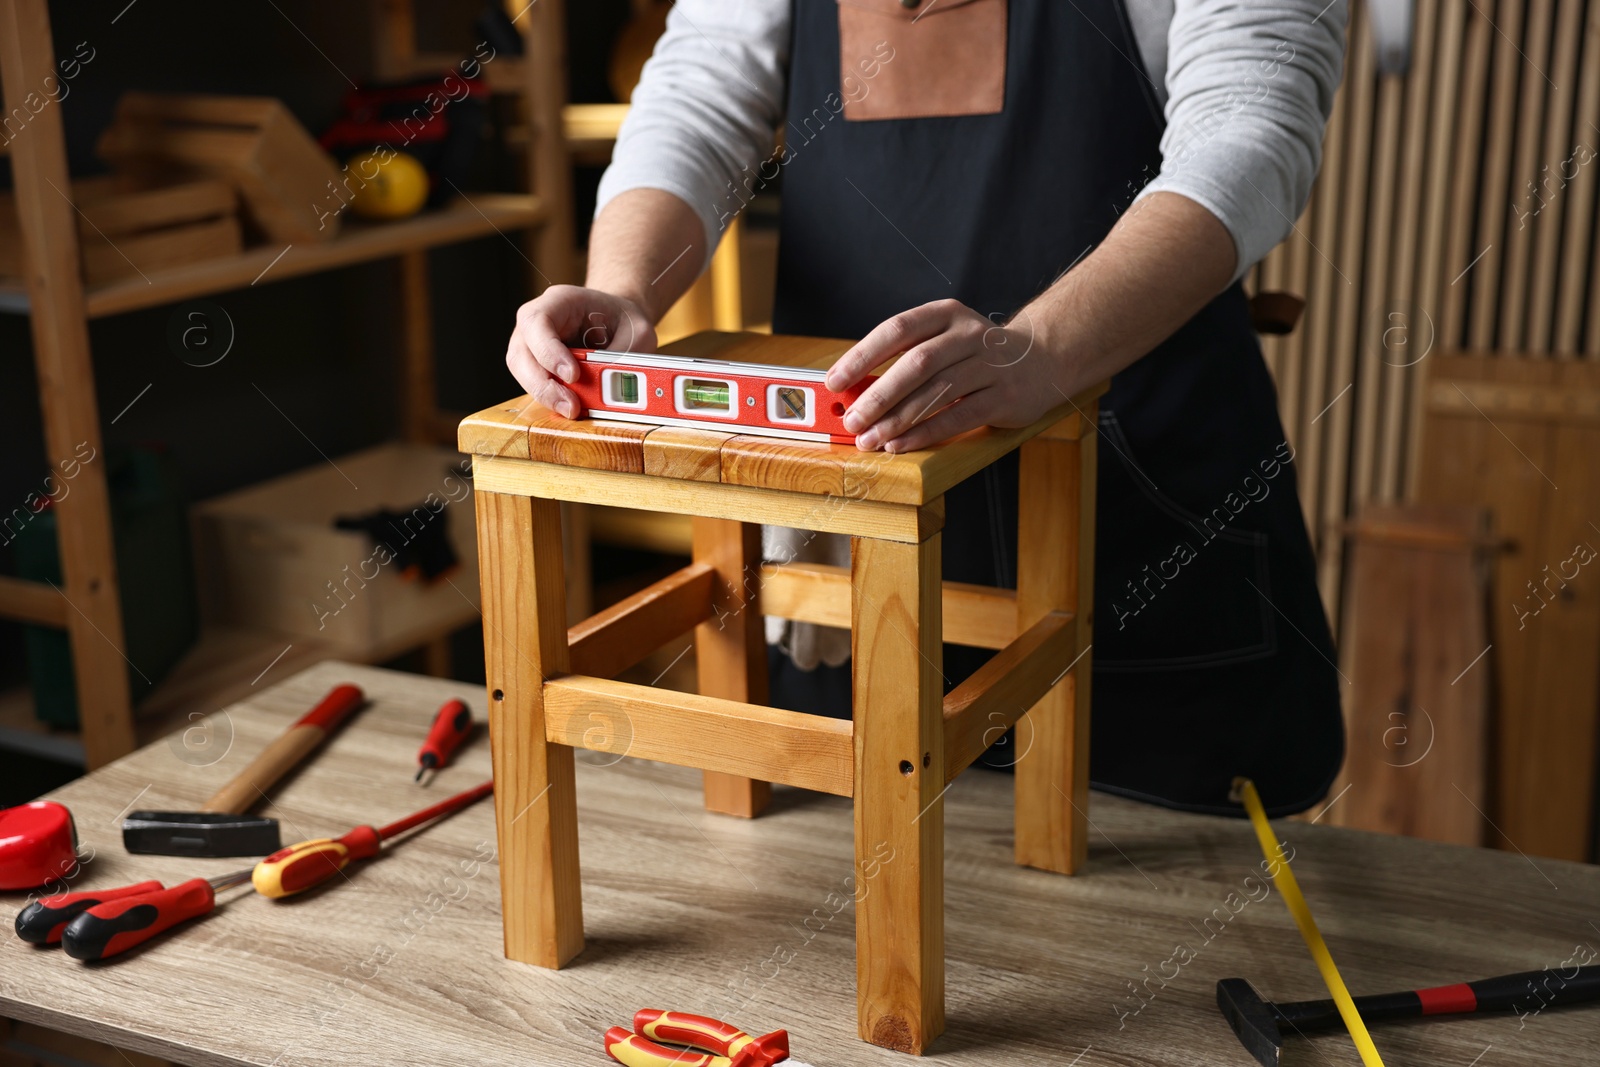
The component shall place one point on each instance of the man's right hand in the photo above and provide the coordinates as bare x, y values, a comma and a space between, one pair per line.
566, 316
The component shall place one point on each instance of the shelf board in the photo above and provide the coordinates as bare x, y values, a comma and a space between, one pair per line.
479, 215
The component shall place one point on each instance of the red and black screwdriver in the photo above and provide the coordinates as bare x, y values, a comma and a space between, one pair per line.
41, 922
117, 924
450, 727
310, 863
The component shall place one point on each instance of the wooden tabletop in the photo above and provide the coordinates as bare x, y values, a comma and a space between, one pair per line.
521, 429
401, 964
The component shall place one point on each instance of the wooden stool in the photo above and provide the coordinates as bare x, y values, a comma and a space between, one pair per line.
549, 686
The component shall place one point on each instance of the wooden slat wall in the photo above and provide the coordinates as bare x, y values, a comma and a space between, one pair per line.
1481, 155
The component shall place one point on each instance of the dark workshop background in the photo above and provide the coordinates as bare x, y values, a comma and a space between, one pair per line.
1441, 389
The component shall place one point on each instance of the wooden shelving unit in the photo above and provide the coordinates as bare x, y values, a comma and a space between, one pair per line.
60, 307
481, 215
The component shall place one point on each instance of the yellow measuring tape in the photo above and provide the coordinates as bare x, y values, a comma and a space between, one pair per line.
1308, 926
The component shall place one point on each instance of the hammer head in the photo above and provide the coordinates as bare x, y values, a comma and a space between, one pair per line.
1253, 1019
198, 833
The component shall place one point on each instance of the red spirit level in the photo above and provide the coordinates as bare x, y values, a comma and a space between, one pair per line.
755, 398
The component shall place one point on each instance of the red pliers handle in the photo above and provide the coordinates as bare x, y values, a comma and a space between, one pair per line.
723, 1045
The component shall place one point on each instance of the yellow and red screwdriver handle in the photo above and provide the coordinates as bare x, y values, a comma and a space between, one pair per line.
450, 727
724, 1045
299, 867
115, 926
310, 863
42, 922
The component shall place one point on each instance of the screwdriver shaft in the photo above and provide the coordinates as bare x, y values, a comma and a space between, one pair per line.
444, 807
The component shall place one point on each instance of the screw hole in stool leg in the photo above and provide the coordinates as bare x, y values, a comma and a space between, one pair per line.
927, 760
906, 768
499, 694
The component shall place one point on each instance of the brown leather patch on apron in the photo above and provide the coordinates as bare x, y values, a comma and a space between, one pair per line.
935, 58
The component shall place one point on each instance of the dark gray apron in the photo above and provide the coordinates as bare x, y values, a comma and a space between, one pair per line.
1212, 655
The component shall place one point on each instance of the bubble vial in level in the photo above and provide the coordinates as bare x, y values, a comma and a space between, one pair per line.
700, 394
791, 405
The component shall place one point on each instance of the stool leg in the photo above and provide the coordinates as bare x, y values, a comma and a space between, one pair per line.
1055, 572
730, 648
535, 800
899, 786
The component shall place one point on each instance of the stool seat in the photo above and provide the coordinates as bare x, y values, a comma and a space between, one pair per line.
525, 430
554, 688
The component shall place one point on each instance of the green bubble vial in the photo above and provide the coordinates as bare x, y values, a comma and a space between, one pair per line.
700, 394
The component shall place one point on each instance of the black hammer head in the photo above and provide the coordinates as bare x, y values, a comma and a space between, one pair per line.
1254, 1020
197, 833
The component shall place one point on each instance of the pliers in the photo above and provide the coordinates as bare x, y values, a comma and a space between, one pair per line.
724, 1045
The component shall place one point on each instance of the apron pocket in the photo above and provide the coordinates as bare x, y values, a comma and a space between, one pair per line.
1173, 587
937, 58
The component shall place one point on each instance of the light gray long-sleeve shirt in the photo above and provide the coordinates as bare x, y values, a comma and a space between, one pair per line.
1246, 87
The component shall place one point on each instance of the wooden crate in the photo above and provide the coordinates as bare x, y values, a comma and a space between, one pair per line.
127, 227
269, 556
286, 180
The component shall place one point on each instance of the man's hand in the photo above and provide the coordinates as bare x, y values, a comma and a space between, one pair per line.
957, 371
563, 316
645, 250
1162, 262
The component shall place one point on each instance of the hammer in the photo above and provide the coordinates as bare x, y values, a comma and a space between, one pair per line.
1259, 1023
220, 828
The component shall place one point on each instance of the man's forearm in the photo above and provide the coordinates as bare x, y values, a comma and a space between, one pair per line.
1163, 262
646, 245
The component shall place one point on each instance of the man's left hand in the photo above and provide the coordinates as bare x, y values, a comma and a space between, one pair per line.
957, 370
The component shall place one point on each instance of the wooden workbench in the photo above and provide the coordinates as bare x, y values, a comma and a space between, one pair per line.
698, 912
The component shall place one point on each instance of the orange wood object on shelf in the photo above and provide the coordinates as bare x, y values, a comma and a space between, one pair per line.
550, 686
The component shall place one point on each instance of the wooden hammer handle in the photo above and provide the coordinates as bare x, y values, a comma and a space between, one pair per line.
297, 742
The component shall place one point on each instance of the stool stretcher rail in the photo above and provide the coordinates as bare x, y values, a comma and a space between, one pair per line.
981, 709
610, 641
690, 730
980, 616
